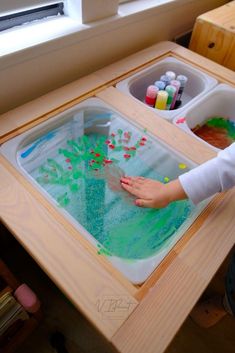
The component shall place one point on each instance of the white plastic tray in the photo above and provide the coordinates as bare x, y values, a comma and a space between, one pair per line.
198, 84
220, 101
27, 151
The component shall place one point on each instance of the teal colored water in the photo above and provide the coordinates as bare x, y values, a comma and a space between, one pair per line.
82, 171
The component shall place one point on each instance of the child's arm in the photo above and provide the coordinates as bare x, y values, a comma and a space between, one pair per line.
216, 175
152, 193
198, 184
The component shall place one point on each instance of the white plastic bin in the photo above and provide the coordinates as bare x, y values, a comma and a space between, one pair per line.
198, 84
58, 157
220, 101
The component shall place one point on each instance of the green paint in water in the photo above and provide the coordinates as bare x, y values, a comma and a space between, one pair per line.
63, 200
84, 177
223, 123
85, 149
103, 251
129, 241
217, 131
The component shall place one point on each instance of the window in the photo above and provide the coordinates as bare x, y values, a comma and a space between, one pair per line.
16, 12
80, 18
13, 6
24, 15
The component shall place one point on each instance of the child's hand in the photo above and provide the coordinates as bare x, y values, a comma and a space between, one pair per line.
152, 193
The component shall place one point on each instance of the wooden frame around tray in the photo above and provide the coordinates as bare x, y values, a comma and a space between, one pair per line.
130, 317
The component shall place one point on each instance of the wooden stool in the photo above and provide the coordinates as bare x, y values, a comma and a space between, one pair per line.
214, 35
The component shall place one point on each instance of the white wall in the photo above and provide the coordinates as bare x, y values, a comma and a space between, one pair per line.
51, 66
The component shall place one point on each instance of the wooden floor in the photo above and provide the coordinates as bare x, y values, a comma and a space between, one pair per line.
59, 314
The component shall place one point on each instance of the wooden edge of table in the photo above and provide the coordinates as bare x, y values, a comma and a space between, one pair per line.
68, 226
168, 133
35, 112
197, 224
133, 63
32, 113
15, 190
221, 73
78, 273
163, 310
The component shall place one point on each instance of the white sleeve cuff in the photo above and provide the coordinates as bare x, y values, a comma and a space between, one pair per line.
211, 177
201, 182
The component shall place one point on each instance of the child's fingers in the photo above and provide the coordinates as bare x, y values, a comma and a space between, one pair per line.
144, 203
125, 180
131, 189
133, 181
126, 177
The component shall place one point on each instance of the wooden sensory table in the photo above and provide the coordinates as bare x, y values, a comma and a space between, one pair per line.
130, 317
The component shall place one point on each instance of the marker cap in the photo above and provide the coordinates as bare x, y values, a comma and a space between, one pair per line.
160, 84
182, 79
161, 100
171, 75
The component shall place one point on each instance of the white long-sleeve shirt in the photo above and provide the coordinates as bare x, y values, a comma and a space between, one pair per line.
214, 176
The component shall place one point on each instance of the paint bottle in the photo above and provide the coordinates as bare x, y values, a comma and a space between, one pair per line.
165, 79
171, 90
151, 94
171, 75
161, 100
160, 84
183, 80
176, 84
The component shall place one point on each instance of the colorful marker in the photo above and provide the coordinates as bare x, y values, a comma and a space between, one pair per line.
151, 95
160, 84
183, 80
176, 84
171, 75
165, 79
161, 100
171, 90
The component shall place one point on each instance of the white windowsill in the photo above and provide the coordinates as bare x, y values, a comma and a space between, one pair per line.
38, 32
42, 36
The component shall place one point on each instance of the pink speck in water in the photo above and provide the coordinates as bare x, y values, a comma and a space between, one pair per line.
180, 121
127, 135
126, 155
108, 161
67, 160
111, 146
107, 142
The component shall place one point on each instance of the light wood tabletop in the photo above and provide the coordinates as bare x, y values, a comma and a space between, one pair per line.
143, 317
